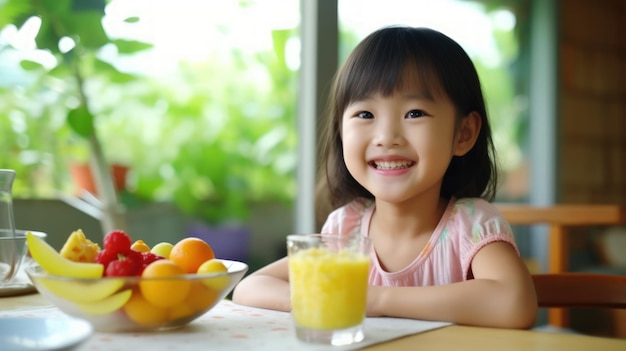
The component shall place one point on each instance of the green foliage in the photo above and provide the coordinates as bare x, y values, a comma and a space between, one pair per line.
80, 21
227, 136
212, 138
81, 121
14, 12
130, 46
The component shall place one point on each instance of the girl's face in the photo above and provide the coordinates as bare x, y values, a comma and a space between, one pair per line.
399, 147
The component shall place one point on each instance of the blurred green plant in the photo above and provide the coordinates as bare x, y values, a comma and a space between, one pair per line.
211, 138
227, 135
71, 32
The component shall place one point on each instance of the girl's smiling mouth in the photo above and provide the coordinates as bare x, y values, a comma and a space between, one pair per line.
391, 165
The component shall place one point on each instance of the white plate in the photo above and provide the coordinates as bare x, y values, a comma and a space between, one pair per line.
49, 333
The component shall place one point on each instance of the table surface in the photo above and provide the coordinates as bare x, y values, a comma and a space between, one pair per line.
451, 337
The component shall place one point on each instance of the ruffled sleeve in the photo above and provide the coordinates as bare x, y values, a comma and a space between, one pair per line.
479, 223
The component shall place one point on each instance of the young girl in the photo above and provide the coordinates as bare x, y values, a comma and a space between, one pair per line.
409, 162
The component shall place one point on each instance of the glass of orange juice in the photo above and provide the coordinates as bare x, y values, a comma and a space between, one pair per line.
328, 276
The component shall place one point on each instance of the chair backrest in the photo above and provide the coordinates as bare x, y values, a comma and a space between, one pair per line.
580, 290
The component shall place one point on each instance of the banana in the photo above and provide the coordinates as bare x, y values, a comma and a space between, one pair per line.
85, 290
53, 263
107, 305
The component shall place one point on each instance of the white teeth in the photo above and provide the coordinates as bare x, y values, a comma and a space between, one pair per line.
389, 165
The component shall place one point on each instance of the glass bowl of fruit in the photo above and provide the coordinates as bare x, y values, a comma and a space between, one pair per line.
129, 287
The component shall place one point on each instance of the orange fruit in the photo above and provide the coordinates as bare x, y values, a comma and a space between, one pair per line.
201, 297
140, 246
215, 266
164, 292
144, 313
190, 253
180, 311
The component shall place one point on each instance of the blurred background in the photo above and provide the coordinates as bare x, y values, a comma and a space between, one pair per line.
206, 112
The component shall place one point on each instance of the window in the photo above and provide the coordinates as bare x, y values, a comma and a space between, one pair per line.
204, 112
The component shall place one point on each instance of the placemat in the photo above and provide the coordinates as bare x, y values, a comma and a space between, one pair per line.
229, 326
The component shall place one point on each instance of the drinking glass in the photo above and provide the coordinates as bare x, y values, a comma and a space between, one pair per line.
328, 276
10, 250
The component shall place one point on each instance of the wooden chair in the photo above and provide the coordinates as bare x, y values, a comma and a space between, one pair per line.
580, 290
590, 290
559, 218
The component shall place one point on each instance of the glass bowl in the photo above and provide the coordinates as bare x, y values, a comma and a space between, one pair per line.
132, 304
14, 255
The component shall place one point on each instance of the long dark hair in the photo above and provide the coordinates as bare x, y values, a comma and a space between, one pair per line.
378, 65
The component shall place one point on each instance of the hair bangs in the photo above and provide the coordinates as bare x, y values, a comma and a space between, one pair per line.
385, 66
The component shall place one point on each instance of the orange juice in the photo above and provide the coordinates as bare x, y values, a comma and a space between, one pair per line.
328, 289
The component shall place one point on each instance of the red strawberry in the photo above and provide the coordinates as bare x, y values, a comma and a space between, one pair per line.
105, 257
117, 241
126, 264
121, 268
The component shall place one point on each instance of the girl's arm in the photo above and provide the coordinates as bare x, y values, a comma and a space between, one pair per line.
267, 287
500, 295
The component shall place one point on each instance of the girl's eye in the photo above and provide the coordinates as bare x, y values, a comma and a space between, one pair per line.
415, 114
365, 115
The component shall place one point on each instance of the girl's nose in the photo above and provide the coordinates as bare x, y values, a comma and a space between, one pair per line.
388, 134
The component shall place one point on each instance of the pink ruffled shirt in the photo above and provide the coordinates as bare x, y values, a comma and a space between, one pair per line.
466, 226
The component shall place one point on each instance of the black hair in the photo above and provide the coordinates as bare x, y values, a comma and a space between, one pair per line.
378, 65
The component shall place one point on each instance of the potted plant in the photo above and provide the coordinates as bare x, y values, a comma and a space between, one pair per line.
221, 146
72, 32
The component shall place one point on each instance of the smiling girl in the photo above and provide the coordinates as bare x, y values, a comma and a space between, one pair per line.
409, 162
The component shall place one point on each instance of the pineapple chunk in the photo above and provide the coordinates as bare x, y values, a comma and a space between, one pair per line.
79, 249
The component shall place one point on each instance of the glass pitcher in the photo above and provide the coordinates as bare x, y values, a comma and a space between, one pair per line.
10, 248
